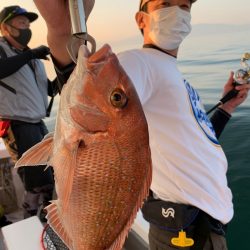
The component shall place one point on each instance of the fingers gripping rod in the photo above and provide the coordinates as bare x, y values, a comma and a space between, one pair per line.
241, 76
79, 29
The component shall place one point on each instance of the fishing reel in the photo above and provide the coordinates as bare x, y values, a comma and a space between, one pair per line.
241, 76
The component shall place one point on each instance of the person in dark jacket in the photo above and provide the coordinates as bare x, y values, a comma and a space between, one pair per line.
24, 90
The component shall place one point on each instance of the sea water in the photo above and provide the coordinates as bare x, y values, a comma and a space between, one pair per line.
206, 59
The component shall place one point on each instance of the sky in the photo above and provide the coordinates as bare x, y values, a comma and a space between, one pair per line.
112, 21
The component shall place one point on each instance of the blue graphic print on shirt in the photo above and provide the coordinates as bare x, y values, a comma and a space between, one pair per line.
200, 113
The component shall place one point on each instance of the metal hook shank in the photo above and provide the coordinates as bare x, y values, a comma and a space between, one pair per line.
78, 17
80, 35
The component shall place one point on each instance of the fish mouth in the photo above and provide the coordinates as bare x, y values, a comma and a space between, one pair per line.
101, 55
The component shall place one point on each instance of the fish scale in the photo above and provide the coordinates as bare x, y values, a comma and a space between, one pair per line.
102, 194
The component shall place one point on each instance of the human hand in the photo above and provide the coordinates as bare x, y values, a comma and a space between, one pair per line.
233, 103
53, 11
40, 52
57, 17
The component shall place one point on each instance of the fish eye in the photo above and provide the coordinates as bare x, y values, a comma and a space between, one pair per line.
118, 98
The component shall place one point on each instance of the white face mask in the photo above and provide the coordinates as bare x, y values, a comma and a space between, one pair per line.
169, 26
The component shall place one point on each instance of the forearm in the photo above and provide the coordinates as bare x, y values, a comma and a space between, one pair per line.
57, 19
53, 87
10, 65
227, 108
234, 102
58, 48
63, 73
219, 120
57, 41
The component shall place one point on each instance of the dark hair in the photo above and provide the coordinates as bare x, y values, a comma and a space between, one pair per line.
144, 8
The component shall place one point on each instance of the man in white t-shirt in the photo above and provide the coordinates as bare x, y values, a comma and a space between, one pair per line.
189, 189
189, 165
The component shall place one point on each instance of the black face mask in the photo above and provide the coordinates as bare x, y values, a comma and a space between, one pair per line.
24, 36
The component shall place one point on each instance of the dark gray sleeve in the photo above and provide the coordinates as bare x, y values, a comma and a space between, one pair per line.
53, 87
63, 73
219, 120
10, 65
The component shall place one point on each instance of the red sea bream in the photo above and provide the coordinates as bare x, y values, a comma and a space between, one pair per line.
100, 155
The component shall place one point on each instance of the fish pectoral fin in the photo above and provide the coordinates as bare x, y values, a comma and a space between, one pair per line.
55, 223
67, 164
37, 155
49, 135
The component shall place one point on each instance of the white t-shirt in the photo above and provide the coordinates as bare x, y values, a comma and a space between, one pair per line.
189, 165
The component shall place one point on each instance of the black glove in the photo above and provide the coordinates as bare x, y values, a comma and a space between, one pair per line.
40, 52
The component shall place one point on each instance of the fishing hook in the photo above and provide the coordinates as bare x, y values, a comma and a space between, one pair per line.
79, 35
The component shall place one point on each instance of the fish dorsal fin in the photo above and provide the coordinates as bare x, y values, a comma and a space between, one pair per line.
56, 224
38, 154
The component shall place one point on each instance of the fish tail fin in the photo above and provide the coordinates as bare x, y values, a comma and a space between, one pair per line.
119, 242
55, 223
39, 154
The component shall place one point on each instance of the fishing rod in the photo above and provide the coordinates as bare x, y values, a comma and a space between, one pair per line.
79, 11
242, 76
